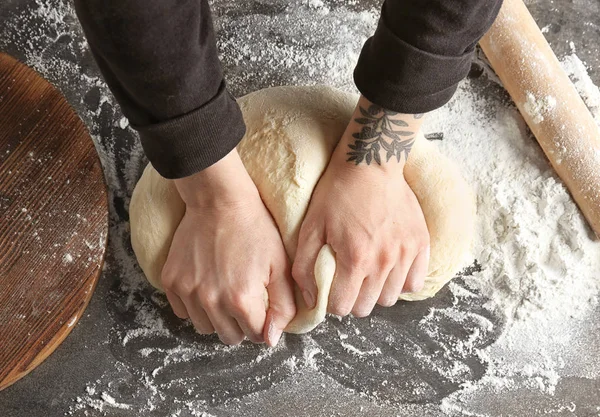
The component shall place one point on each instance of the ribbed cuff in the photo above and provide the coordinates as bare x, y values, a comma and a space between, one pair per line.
188, 144
402, 78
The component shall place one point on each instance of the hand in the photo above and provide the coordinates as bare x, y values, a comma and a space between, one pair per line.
225, 252
364, 209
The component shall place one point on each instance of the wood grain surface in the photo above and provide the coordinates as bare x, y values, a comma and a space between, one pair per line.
53, 219
549, 103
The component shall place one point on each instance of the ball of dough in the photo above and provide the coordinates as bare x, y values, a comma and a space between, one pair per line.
291, 133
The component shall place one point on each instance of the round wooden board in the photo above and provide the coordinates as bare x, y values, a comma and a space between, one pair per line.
53, 219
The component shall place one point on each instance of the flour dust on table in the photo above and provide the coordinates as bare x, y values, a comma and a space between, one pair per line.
505, 325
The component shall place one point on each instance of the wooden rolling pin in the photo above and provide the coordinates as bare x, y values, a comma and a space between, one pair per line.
548, 101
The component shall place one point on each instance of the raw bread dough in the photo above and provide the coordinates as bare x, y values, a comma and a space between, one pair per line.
291, 133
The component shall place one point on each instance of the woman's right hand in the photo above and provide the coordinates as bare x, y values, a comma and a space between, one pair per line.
224, 253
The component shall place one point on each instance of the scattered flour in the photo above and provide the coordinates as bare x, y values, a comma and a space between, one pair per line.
72, 321
583, 83
537, 108
112, 402
540, 263
305, 44
318, 5
123, 122
355, 351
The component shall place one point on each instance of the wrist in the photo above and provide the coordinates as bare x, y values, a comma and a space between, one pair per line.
225, 183
377, 139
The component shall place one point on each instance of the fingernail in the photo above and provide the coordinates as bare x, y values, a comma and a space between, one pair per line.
309, 299
274, 334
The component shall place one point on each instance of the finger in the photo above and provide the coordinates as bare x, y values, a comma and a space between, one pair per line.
250, 317
177, 305
282, 305
201, 321
198, 315
304, 266
393, 286
345, 288
368, 296
226, 327
415, 279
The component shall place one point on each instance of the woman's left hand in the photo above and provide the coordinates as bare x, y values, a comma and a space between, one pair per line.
369, 216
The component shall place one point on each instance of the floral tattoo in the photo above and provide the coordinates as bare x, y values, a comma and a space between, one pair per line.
380, 132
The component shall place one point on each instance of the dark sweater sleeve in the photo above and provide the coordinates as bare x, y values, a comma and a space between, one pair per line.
159, 58
420, 51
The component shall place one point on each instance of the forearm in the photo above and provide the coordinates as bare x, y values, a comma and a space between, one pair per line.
421, 50
159, 59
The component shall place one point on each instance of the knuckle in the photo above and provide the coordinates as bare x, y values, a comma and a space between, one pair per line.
237, 303
386, 258
408, 246
209, 299
183, 287
359, 257
167, 279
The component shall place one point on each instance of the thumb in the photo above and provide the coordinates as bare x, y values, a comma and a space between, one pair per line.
303, 270
282, 305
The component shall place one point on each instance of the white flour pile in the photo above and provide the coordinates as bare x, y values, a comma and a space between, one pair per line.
535, 248
540, 268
